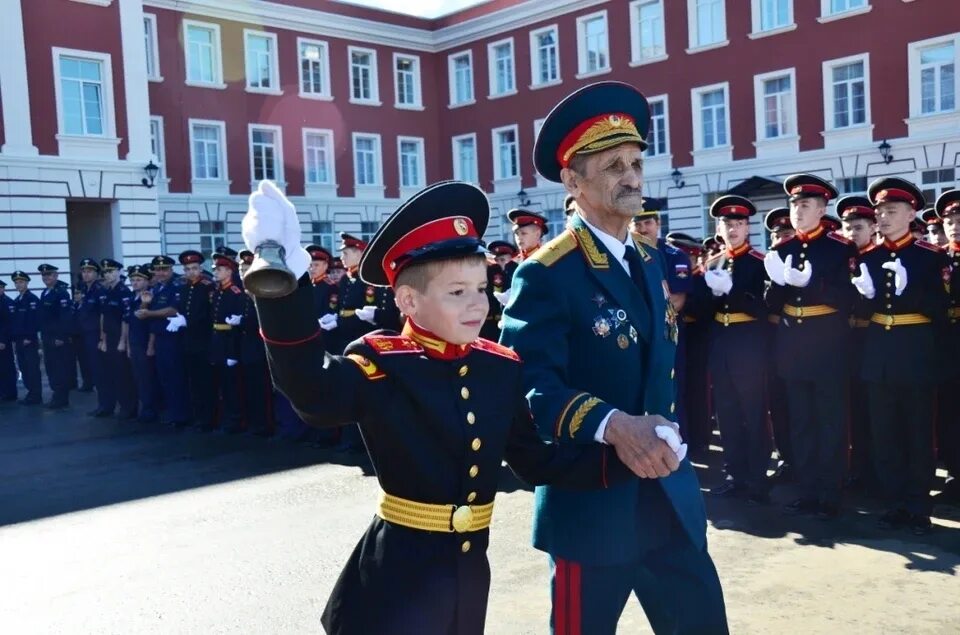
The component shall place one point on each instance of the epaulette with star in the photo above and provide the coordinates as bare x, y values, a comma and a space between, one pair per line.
392, 344
932, 247
489, 346
840, 238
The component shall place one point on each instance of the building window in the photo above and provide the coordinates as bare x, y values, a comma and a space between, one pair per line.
502, 76
206, 150
709, 222
410, 160
151, 47
770, 15
537, 126
322, 231
707, 22
938, 78
556, 221
156, 142
846, 93
406, 70
776, 106
592, 44
318, 156
465, 158
460, 67
657, 137
213, 234
647, 35
545, 56
314, 68
82, 99
363, 76
936, 182
710, 106
833, 7
852, 185
366, 159
261, 54
204, 64
266, 154
367, 229
506, 153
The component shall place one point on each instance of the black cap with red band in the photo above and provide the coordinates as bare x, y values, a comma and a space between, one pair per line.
892, 189
732, 206
777, 219
852, 207
800, 186
522, 218
948, 203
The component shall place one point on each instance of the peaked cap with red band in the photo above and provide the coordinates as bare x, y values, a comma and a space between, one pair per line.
318, 253
800, 186
778, 218
732, 206
929, 217
948, 203
685, 242
894, 189
246, 256
224, 261
502, 248
445, 220
523, 217
589, 120
346, 240
832, 223
190, 256
852, 207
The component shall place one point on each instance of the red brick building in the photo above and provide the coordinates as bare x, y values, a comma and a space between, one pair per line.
352, 109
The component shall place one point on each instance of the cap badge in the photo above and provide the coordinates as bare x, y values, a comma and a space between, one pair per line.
460, 226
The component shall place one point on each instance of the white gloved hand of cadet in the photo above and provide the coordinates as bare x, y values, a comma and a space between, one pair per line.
672, 438
231, 363
176, 323
864, 283
899, 277
719, 280
796, 277
328, 322
234, 320
503, 297
366, 313
270, 216
774, 266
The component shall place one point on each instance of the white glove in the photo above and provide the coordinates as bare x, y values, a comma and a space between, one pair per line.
234, 320
176, 323
366, 313
795, 277
864, 283
231, 363
328, 322
900, 275
502, 296
774, 266
719, 280
270, 216
672, 438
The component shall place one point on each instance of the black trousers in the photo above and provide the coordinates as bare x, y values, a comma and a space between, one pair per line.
861, 455
818, 430
8, 373
226, 379
948, 427
56, 362
257, 396
901, 420
28, 361
742, 418
200, 384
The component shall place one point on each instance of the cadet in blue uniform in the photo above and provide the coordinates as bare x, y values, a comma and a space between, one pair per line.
905, 282
948, 427
8, 369
257, 386
591, 319
810, 290
439, 407
730, 295
195, 336
325, 292
141, 348
26, 339
87, 320
55, 321
777, 222
118, 390
226, 309
498, 283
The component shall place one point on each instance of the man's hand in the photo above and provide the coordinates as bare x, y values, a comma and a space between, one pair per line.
176, 323
797, 277
864, 283
774, 266
270, 216
58, 343
231, 363
233, 320
102, 346
503, 297
141, 314
638, 446
151, 351
121, 346
328, 322
900, 275
719, 280
367, 314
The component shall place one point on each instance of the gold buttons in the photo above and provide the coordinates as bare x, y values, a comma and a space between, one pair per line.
472, 496
465, 392
471, 418
465, 547
892, 255
802, 255
673, 407
463, 370
889, 306
805, 245
474, 470
476, 445
673, 373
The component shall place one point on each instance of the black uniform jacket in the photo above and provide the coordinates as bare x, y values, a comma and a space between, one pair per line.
355, 294
225, 300
195, 307
437, 420
951, 352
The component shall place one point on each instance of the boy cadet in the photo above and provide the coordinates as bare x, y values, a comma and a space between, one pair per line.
905, 282
141, 348
257, 387
226, 312
811, 292
439, 409
8, 369
194, 306
859, 226
948, 210
55, 321
934, 227
88, 323
324, 290
730, 294
26, 341
529, 228
498, 282
118, 385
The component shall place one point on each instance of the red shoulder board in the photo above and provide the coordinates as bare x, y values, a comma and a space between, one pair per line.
235, 289
756, 253
715, 258
931, 246
206, 281
783, 243
840, 239
392, 344
489, 346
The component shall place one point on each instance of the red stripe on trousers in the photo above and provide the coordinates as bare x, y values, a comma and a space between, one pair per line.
560, 598
574, 599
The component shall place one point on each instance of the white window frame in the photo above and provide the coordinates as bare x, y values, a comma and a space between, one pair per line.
716, 155
219, 185
582, 71
636, 49
421, 161
374, 99
417, 90
492, 68
455, 154
452, 79
760, 109
756, 11
377, 161
88, 146
666, 127
327, 93
828, 112
827, 15
535, 81
160, 154
274, 88
217, 81
914, 50
153, 52
497, 176
693, 29
277, 152
320, 189
537, 127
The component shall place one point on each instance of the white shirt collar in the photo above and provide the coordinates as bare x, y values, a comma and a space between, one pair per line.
613, 244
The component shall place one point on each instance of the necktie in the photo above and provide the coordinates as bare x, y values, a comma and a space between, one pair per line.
636, 267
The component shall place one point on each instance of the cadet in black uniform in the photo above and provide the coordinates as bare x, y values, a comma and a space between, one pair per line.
141, 348
87, 318
777, 222
226, 309
55, 321
934, 226
498, 283
195, 336
257, 387
8, 369
811, 292
905, 282
325, 292
529, 228
439, 408
948, 423
730, 295
118, 390
26, 340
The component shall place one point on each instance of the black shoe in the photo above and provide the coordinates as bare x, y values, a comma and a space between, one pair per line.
56, 405
920, 525
758, 498
800, 506
828, 511
894, 519
8, 399
29, 402
729, 489
126, 416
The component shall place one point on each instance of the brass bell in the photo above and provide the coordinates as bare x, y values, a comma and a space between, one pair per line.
269, 276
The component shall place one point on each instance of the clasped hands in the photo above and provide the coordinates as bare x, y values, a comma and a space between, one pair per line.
650, 446
783, 272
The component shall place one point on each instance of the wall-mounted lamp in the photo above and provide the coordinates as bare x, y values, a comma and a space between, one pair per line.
885, 152
524, 199
151, 170
678, 179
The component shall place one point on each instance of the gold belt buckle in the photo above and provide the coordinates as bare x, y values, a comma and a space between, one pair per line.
462, 519
888, 320
799, 311
726, 319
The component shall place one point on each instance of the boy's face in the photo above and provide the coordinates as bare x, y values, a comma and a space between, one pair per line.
21, 285
88, 275
350, 256
805, 213
503, 259
733, 230
527, 237
454, 305
138, 283
222, 273
893, 219
951, 227
111, 276
192, 271
318, 268
859, 230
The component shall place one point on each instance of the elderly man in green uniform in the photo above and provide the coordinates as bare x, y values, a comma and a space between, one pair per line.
590, 318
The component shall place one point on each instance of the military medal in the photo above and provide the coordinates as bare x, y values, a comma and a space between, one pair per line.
633, 334
622, 341
599, 299
601, 327
672, 331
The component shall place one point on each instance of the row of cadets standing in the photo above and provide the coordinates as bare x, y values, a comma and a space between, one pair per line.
141, 347
195, 336
115, 387
55, 321
948, 428
8, 367
86, 339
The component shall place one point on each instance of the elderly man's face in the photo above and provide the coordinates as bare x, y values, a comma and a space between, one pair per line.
608, 182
